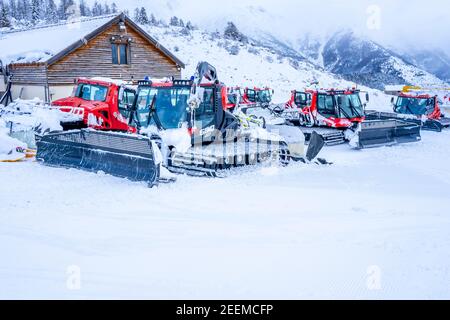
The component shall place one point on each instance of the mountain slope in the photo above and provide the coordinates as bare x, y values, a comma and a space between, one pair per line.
250, 64
433, 61
363, 61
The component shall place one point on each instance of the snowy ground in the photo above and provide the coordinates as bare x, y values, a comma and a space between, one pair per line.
373, 225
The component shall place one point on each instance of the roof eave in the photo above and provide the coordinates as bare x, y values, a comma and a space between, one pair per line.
78, 44
118, 18
155, 42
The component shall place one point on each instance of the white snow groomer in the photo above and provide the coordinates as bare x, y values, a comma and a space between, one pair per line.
193, 126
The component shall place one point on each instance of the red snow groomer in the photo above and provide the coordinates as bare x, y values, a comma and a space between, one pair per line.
251, 97
341, 116
192, 124
220, 137
422, 106
102, 104
327, 108
259, 96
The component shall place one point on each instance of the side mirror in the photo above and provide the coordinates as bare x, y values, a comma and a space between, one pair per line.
367, 97
392, 100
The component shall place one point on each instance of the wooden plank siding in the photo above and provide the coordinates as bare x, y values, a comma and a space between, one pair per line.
33, 74
95, 59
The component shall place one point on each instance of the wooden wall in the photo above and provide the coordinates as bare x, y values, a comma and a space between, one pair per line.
33, 74
95, 59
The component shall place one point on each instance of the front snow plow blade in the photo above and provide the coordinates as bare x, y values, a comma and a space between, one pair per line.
428, 124
117, 154
377, 133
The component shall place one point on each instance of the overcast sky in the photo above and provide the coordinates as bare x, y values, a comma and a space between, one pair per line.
421, 23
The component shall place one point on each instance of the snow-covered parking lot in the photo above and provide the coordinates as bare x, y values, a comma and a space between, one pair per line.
373, 225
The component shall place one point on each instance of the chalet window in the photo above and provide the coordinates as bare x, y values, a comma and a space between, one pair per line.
120, 53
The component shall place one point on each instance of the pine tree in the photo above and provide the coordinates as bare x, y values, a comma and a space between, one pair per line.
65, 9
143, 17
174, 22
87, 11
136, 15
12, 9
51, 12
182, 23
153, 20
83, 8
4, 16
23, 10
231, 32
36, 11
114, 8
106, 8
190, 26
97, 9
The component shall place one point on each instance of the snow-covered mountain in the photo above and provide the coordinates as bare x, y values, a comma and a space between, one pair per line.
366, 62
355, 57
252, 63
338, 55
434, 61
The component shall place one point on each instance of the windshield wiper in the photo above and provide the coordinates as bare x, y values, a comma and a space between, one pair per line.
408, 108
343, 111
354, 109
152, 114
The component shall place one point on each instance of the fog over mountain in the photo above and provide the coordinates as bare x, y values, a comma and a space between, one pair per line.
397, 24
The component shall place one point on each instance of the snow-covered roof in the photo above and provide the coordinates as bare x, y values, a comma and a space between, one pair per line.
44, 44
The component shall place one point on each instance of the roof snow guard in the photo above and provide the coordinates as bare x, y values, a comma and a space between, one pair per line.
49, 44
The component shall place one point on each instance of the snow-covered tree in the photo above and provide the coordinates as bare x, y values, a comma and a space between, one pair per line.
190, 26
66, 7
84, 8
22, 13
51, 12
153, 20
106, 8
23, 10
143, 17
12, 9
174, 22
114, 8
4, 15
97, 9
231, 32
36, 11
